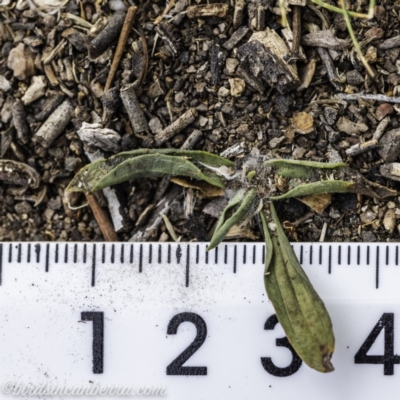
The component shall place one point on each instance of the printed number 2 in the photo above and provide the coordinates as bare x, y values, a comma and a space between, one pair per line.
267, 363
388, 359
176, 367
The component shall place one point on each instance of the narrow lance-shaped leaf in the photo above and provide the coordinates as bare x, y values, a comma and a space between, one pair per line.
268, 244
298, 307
316, 188
239, 215
94, 172
145, 166
300, 169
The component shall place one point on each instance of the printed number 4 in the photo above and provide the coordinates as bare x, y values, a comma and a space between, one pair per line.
388, 359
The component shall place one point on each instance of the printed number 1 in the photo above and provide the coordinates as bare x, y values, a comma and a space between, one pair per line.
98, 338
388, 359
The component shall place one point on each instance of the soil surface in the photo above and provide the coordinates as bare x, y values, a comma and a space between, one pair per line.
227, 74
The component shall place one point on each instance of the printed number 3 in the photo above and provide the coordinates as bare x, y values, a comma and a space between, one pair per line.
267, 363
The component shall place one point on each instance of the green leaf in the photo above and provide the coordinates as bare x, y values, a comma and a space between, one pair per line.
87, 177
143, 166
300, 169
298, 307
223, 227
268, 244
316, 188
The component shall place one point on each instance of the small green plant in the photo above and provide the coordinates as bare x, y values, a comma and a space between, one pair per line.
256, 185
346, 14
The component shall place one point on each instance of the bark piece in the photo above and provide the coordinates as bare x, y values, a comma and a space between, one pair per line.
55, 124
325, 39
238, 12
390, 43
207, 10
111, 102
76, 38
236, 37
330, 68
390, 145
217, 60
250, 79
135, 112
20, 122
107, 36
266, 52
177, 126
51, 104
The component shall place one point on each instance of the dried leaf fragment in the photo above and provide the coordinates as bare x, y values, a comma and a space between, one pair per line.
18, 173
303, 123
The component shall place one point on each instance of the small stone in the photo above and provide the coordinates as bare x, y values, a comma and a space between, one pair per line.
21, 61
5, 85
48, 214
72, 164
155, 125
354, 78
23, 207
330, 115
282, 104
242, 129
179, 97
275, 142
368, 236
155, 90
382, 110
379, 12
55, 203
367, 217
231, 64
390, 145
237, 86
203, 121
350, 127
389, 220
35, 90
250, 136
374, 33
303, 123
223, 91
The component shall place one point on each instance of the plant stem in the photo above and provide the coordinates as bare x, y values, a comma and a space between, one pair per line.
283, 13
355, 41
351, 13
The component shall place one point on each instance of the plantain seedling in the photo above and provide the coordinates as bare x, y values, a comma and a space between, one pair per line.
256, 185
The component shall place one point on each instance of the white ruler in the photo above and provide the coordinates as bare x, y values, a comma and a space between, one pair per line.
191, 324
